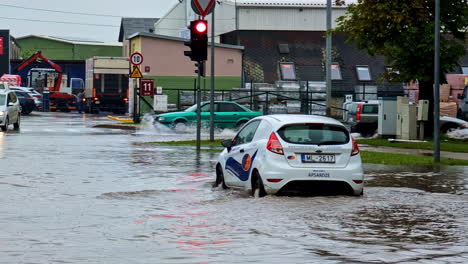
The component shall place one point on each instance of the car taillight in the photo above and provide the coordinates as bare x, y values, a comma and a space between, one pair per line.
96, 99
274, 145
358, 113
37, 96
125, 99
30, 99
355, 150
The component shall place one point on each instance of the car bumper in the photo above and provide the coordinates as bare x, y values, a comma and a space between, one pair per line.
352, 176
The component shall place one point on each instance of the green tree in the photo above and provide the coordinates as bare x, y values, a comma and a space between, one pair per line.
403, 32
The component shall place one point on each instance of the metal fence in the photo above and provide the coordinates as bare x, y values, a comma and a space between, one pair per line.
285, 97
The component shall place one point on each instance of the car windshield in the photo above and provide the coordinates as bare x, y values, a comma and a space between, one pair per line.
193, 108
314, 134
2, 99
370, 109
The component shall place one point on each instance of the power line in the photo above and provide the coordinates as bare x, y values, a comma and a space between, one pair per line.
58, 11
58, 22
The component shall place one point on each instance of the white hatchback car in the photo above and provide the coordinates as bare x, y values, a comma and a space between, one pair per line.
10, 108
281, 154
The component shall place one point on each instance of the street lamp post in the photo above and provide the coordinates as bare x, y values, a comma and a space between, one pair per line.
437, 83
328, 57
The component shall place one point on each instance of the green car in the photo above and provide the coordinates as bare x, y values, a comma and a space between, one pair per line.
227, 115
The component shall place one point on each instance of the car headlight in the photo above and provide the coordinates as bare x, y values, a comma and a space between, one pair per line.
1, 113
161, 118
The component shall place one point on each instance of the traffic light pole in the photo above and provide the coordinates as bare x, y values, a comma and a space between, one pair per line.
212, 74
200, 65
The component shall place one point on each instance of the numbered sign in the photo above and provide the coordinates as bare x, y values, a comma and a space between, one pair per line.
147, 87
136, 58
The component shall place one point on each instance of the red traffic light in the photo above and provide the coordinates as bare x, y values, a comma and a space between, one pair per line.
201, 26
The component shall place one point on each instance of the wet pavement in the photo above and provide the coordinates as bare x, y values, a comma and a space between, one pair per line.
72, 193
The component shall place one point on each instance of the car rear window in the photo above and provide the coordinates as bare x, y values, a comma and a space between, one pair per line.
314, 134
370, 109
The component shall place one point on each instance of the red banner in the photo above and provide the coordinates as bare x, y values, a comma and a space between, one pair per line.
1, 46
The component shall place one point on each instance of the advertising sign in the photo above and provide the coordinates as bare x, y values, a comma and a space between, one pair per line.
147, 87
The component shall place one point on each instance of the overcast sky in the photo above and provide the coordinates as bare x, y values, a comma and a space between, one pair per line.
121, 8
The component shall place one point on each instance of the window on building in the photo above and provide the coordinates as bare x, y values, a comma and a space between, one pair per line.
288, 71
464, 69
336, 72
363, 73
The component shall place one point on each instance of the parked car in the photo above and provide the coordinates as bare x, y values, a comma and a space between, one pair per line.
462, 112
33, 92
363, 117
227, 115
26, 101
449, 123
278, 154
10, 109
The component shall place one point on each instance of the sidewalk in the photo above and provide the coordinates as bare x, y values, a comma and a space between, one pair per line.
423, 152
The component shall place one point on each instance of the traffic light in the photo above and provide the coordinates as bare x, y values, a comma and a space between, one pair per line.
198, 41
200, 68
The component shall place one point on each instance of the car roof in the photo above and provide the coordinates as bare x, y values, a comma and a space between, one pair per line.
285, 119
232, 102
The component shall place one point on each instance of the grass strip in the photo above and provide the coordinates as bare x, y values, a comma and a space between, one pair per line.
450, 145
367, 157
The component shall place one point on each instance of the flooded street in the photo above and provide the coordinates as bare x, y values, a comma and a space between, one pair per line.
71, 193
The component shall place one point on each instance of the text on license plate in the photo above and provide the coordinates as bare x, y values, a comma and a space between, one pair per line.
318, 158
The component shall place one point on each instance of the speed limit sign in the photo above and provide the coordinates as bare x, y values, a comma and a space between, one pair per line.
136, 58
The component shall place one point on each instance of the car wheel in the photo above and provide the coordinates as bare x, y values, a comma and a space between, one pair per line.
17, 124
258, 189
5, 127
448, 127
219, 178
240, 124
180, 125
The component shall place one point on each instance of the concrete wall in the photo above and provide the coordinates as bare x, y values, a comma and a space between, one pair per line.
166, 58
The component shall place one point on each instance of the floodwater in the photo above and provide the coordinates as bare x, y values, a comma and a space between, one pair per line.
71, 193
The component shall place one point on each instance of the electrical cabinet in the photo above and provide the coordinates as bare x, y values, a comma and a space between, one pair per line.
408, 122
400, 102
423, 110
387, 124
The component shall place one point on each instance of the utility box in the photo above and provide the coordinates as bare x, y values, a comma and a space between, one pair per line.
423, 110
387, 124
408, 122
400, 102
160, 103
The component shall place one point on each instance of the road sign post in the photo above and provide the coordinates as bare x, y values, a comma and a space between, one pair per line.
136, 59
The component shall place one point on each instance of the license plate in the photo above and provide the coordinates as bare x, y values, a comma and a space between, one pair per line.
97, 102
318, 158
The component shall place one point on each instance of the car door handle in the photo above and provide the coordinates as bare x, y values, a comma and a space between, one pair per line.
242, 151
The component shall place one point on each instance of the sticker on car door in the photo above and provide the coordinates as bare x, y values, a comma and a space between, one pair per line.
241, 170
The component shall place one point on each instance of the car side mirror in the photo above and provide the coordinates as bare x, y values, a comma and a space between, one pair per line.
460, 96
227, 144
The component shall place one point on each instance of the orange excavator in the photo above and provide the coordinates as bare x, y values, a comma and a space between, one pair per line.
58, 101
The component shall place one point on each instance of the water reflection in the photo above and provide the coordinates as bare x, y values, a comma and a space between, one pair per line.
2, 139
448, 179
